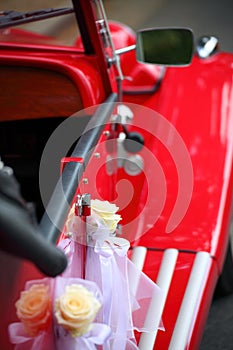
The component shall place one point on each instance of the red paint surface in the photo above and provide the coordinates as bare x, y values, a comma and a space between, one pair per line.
197, 102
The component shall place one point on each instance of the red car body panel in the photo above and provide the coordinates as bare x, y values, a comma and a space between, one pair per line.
197, 101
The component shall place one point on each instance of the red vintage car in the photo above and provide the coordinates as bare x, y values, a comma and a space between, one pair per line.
150, 130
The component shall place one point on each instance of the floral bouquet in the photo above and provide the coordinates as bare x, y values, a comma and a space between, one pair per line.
102, 309
58, 314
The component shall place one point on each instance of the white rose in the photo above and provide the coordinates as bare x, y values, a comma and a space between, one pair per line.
76, 309
107, 212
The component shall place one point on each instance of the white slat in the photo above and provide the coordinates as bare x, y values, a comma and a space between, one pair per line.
191, 300
166, 271
139, 256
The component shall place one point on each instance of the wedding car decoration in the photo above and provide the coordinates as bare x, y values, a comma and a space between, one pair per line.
58, 314
80, 308
120, 281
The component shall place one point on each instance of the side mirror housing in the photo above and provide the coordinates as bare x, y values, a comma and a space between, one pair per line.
166, 46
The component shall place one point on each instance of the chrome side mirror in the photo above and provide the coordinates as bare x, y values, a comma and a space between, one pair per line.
166, 46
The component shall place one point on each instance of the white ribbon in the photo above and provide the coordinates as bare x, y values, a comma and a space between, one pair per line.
124, 309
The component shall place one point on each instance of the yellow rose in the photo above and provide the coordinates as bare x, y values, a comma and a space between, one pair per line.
34, 309
107, 212
76, 309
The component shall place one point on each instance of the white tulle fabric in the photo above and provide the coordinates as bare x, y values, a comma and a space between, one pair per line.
99, 332
21, 339
56, 337
127, 292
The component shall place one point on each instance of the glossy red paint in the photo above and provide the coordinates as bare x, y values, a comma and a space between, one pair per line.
147, 184
201, 112
204, 125
196, 102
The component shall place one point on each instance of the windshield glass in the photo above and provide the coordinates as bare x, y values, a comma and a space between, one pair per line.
60, 30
